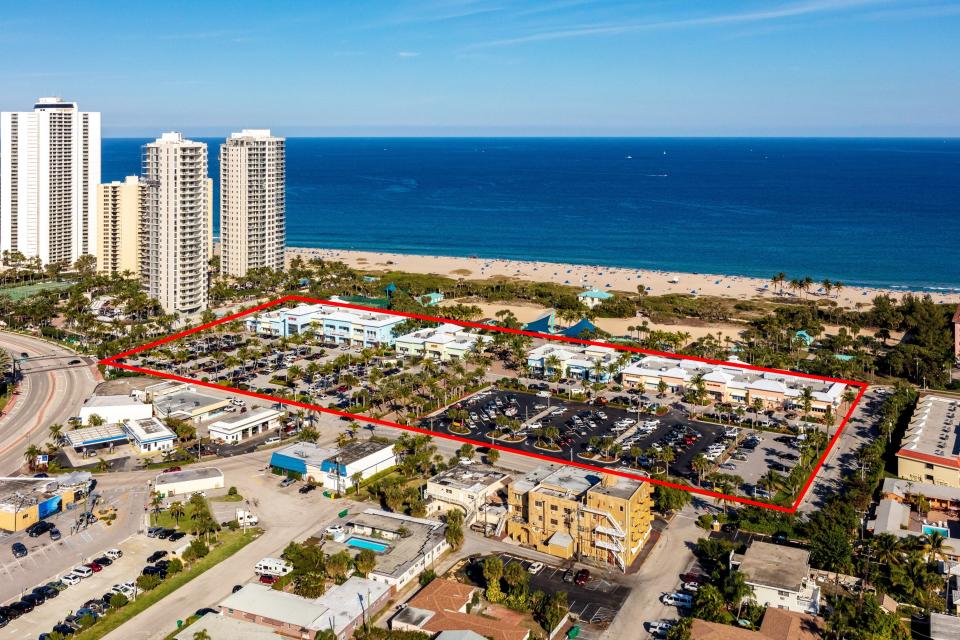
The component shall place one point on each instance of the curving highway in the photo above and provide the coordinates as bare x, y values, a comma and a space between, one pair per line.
52, 390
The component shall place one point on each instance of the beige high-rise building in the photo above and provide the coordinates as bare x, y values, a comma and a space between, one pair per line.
118, 225
252, 202
175, 233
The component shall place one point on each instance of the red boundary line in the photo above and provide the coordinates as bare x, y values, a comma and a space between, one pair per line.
112, 361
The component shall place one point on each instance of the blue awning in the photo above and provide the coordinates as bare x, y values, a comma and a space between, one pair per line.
287, 463
576, 330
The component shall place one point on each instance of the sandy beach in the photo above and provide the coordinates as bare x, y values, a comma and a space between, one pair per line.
601, 277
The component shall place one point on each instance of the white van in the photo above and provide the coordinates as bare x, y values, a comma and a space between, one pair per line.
273, 567
246, 518
678, 599
82, 571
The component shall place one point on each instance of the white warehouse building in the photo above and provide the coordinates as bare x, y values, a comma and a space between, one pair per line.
114, 409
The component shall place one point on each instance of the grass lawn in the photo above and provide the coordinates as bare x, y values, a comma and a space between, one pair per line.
227, 498
164, 519
231, 542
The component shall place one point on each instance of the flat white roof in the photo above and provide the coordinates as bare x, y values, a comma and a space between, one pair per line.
244, 420
111, 401
149, 430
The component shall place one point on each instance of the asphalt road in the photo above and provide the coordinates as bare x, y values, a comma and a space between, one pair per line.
51, 391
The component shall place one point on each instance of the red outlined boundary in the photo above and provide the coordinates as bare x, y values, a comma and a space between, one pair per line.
114, 361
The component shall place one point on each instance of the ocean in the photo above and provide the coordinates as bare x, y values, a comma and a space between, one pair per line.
872, 212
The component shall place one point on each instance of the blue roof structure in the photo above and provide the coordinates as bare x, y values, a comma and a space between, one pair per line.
544, 324
597, 294
576, 330
806, 337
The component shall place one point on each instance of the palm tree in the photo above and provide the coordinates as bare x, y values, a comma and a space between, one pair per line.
177, 511
935, 546
771, 481
31, 454
778, 281
701, 465
56, 432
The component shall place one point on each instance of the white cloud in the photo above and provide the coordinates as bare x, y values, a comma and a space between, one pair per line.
408, 54
775, 13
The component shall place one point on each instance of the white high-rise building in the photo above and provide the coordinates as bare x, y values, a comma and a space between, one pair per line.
49, 172
252, 202
175, 223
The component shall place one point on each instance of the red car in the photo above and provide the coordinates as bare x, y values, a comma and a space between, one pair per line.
172, 469
93, 566
343, 388
582, 577
268, 579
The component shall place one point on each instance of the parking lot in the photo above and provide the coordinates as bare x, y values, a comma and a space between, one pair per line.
45, 616
596, 602
47, 557
579, 426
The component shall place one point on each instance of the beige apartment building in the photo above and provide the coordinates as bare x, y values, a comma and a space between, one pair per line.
252, 202
576, 513
118, 225
928, 451
176, 225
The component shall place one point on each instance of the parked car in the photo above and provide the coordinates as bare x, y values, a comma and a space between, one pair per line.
55, 534
156, 555
176, 535
172, 469
83, 571
307, 488
103, 561
113, 554
265, 579
582, 577
535, 568
19, 549
96, 568
70, 579
288, 481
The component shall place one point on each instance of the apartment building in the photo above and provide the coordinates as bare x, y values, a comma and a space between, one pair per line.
779, 576
252, 202
598, 364
467, 487
49, 172
176, 225
118, 225
729, 383
928, 451
444, 343
576, 513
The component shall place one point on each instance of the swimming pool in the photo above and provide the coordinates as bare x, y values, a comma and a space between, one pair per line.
928, 529
362, 543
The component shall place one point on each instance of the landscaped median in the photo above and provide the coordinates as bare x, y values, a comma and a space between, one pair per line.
230, 543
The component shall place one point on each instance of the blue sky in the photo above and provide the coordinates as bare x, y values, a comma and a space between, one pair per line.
464, 67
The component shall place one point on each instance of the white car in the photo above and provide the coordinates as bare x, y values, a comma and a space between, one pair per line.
660, 627
466, 461
334, 529
113, 554
70, 579
535, 425
535, 568
692, 587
